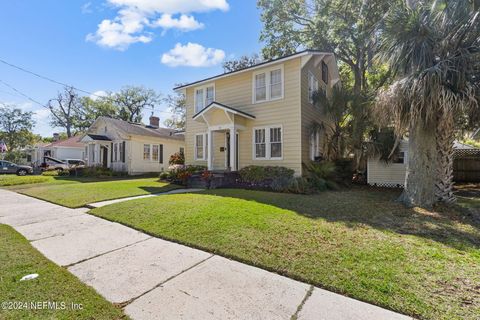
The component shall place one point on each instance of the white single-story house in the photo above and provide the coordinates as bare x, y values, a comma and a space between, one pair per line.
70, 148
130, 147
392, 174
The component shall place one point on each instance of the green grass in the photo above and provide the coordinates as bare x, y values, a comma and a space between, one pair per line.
54, 284
76, 193
13, 180
357, 242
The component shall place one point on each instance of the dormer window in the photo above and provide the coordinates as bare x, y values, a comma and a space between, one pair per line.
204, 96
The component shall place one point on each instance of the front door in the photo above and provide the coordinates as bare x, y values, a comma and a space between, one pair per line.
105, 157
227, 137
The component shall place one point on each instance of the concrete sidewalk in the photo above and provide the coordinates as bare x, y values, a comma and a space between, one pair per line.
157, 279
109, 202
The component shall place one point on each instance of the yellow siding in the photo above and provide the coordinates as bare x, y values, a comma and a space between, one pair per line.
310, 113
134, 153
236, 91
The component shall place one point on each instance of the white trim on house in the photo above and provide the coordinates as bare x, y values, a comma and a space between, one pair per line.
260, 65
268, 143
268, 79
204, 95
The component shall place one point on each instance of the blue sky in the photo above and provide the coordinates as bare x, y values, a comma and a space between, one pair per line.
104, 45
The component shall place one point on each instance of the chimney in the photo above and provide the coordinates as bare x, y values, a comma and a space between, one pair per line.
154, 121
56, 137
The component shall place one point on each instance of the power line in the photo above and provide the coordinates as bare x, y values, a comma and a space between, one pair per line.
23, 94
57, 82
47, 78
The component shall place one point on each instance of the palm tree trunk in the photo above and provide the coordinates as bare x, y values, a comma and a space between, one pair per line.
422, 159
445, 139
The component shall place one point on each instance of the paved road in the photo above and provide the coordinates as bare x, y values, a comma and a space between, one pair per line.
157, 279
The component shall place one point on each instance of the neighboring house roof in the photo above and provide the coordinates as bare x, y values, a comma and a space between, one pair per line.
72, 142
140, 129
458, 146
258, 65
225, 107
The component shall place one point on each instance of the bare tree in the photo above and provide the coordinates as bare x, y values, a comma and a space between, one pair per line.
63, 109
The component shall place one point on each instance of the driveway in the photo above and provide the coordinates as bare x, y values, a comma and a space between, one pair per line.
157, 279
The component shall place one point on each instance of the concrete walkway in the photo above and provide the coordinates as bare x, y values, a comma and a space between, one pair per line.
108, 202
156, 279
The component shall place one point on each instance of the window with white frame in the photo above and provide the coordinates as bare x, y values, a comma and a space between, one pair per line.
146, 152
268, 143
204, 96
155, 150
260, 87
260, 145
120, 152
275, 142
201, 146
312, 86
400, 158
115, 152
315, 144
268, 85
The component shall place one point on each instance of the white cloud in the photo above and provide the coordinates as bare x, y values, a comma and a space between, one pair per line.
134, 16
97, 94
173, 6
184, 23
121, 32
192, 55
86, 8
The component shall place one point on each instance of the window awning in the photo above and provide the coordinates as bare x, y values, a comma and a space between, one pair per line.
94, 137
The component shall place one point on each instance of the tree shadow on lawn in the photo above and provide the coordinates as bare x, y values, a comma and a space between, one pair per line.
168, 187
377, 208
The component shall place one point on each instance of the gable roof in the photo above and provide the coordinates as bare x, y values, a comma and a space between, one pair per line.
258, 65
140, 129
72, 142
225, 107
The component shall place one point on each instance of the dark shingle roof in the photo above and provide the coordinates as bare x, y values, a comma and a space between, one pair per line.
142, 130
99, 137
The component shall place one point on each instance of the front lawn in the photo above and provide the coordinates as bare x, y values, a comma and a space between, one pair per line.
75, 193
356, 242
54, 284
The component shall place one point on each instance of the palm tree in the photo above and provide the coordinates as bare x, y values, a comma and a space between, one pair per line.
433, 48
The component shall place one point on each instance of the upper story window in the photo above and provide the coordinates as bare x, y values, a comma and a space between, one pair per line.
204, 96
312, 86
268, 84
324, 72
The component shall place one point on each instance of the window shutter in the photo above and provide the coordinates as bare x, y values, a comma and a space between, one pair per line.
123, 152
161, 153
111, 152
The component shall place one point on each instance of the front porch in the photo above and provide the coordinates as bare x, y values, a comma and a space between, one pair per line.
222, 138
97, 150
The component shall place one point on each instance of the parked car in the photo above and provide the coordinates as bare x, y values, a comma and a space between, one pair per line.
74, 163
60, 165
9, 167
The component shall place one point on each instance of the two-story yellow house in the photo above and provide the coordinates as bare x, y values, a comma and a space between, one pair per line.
260, 115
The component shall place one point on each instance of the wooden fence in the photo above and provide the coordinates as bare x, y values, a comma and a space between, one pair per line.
466, 165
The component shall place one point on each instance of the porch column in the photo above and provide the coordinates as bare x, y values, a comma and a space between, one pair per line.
209, 149
233, 149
